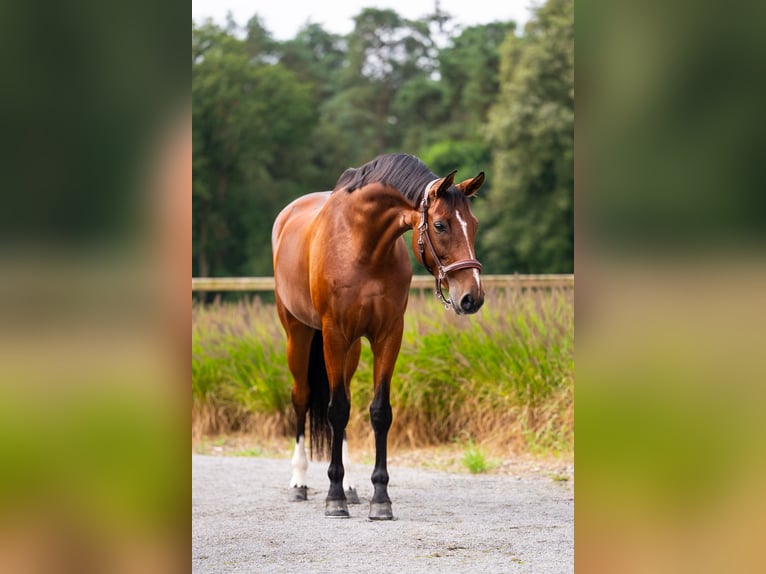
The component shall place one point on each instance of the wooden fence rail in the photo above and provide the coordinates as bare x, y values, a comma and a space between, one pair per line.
418, 282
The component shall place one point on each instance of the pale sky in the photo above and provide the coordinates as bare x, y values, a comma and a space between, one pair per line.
283, 18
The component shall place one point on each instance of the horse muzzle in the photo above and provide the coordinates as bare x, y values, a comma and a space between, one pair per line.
465, 292
467, 303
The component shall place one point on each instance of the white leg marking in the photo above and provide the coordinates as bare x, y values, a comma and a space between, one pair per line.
300, 463
347, 484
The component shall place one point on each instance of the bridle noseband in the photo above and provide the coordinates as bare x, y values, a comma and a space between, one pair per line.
424, 240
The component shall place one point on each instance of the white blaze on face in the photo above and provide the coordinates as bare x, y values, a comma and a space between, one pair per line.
464, 227
300, 463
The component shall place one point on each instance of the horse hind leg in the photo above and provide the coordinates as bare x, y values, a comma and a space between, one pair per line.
300, 464
352, 497
352, 362
298, 487
299, 338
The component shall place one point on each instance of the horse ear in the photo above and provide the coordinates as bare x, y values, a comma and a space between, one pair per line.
446, 183
469, 187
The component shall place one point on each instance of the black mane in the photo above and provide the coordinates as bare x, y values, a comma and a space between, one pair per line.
401, 171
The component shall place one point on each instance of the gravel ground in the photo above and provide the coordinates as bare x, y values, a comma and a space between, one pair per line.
444, 522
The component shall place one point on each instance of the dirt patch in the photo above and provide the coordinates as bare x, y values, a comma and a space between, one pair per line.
444, 521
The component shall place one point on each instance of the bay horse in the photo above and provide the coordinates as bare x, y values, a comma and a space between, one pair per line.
342, 272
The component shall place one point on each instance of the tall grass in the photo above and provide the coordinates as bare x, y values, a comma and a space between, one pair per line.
240, 379
504, 376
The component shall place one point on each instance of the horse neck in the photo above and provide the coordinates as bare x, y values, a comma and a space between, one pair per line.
380, 221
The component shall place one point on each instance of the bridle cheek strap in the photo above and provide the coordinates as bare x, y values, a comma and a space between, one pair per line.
424, 239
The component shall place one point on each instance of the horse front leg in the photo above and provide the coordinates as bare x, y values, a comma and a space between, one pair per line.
336, 349
381, 418
385, 352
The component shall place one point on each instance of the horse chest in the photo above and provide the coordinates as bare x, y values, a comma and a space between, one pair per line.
365, 309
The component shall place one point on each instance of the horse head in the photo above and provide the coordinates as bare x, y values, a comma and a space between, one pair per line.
443, 241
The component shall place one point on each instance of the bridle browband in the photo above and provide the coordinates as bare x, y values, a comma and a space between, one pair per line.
424, 240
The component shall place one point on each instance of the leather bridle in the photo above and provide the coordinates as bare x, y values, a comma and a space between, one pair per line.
424, 240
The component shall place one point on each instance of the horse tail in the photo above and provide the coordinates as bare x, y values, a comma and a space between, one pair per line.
319, 388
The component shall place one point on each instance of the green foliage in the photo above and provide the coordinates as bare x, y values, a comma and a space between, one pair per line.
475, 460
248, 117
274, 120
469, 71
530, 213
238, 359
316, 57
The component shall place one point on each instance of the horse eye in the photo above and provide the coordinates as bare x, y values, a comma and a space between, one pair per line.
440, 227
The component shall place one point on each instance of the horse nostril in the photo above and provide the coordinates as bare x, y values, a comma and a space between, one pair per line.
467, 303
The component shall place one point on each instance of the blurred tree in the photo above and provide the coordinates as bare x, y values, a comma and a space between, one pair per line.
249, 119
259, 44
469, 69
529, 216
385, 51
274, 120
315, 56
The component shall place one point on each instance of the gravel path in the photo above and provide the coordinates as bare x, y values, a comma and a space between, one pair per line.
444, 522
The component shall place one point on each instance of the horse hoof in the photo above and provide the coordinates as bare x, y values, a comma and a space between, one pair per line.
351, 496
298, 493
336, 509
381, 511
